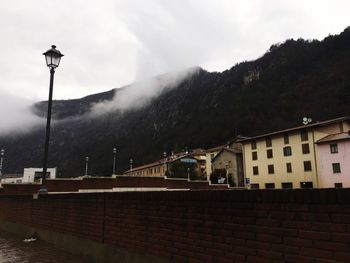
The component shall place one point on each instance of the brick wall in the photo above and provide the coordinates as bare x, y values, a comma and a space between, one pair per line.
201, 226
73, 185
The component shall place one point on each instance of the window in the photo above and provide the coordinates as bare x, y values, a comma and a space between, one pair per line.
338, 185
255, 170
271, 169
229, 164
334, 148
306, 185
287, 185
286, 138
269, 185
307, 166
254, 156
287, 151
253, 145
269, 153
289, 167
305, 148
336, 168
268, 142
254, 186
304, 135
212, 155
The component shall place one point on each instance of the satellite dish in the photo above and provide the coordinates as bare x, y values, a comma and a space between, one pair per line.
306, 120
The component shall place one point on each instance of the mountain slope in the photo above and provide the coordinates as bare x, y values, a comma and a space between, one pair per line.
295, 79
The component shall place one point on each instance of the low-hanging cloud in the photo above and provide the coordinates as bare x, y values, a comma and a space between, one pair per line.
141, 92
16, 115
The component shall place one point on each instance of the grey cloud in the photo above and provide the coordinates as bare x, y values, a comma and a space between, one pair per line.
16, 115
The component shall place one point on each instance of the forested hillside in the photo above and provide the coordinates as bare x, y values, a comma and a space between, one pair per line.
294, 79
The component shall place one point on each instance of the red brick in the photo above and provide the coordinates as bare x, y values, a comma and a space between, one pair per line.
342, 256
333, 246
298, 259
258, 244
268, 238
298, 242
316, 235
255, 259
244, 250
268, 254
341, 237
315, 253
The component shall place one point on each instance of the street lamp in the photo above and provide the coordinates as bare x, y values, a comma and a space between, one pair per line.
131, 162
86, 165
2, 153
164, 155
114, 159
53, 57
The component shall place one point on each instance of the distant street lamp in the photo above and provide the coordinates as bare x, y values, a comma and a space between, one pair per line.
164, 155
2, 153
114, 159
86, 165
131, 162
53, 58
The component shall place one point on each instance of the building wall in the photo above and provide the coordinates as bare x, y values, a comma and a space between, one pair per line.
297, 159
191, 226
230, 162
29, 173
279, 162
209, 157
156, 170
327, 177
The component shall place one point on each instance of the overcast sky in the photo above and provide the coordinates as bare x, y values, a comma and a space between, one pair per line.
110, 43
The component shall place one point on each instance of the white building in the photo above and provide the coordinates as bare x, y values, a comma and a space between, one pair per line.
31, 175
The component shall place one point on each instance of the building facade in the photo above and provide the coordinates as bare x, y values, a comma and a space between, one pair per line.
334, 155
181, 165
288, 158
231, 161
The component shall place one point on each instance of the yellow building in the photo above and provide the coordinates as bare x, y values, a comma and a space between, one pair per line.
194, 160
287, 158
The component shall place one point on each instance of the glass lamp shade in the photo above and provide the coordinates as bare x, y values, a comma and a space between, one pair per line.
53, 57
2, 152
114, 150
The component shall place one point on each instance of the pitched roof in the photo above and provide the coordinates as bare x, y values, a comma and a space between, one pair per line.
216, 148
311, 125
335, 137
231, 150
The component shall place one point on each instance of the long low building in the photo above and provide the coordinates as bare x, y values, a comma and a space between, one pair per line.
181, 165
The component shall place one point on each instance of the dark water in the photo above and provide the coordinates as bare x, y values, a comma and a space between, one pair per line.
14, 250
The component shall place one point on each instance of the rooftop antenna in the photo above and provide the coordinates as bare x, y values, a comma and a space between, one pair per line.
306, 120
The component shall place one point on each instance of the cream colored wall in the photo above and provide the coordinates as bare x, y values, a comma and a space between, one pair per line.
296, 159
279, 161
158, 170
208, 161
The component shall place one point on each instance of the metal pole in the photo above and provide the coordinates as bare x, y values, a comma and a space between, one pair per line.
131, 160
2, 152
114, 159
86, 165
43, 189
164, 155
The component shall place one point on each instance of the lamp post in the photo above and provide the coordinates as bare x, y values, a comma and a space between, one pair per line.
114, 159
86, 165
2, 153
164, 155
131, 162
53, 58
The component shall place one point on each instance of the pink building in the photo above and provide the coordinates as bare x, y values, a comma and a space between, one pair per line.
334, 160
